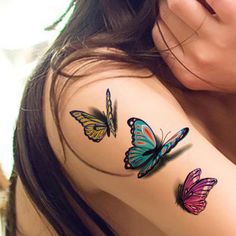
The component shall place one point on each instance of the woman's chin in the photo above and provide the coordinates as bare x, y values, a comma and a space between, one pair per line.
200, 85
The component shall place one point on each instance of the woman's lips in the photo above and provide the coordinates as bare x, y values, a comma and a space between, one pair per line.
203, 2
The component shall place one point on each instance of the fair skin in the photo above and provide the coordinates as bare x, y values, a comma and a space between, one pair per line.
203, 42
146, 206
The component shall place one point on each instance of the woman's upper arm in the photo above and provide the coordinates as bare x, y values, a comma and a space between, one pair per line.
154, 196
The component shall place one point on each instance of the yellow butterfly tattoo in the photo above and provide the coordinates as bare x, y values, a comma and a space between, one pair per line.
98, 124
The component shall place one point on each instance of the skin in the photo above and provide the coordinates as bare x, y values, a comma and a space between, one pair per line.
149, 204
203, 42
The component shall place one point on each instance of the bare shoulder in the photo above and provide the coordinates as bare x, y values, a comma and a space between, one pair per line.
113, 122
112, 89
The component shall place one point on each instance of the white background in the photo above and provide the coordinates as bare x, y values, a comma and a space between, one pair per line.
22, 24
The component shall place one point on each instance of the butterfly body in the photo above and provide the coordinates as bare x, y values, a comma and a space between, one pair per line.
147, 151
154, 151
194, 191
98, 124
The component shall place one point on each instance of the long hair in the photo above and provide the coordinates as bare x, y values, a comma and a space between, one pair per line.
125, 25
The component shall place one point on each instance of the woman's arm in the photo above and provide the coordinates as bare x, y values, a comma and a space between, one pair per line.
153, 196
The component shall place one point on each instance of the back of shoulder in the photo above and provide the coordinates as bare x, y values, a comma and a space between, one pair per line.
98, 108
134, 92
114, 122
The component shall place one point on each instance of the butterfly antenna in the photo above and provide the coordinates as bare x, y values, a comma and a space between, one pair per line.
162, 134
166, 136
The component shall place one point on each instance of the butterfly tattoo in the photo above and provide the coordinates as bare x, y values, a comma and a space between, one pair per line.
147, 151
98, 124
192, 194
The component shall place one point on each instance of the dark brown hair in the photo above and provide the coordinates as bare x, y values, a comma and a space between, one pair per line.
125, 25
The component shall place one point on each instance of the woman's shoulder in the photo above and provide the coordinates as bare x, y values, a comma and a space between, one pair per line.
95, 106
104, 65
107, 68
109, 123
102, 91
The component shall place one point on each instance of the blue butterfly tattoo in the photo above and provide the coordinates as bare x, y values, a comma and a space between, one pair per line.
147, 151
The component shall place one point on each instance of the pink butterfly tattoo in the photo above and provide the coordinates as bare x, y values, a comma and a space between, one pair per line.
192, 194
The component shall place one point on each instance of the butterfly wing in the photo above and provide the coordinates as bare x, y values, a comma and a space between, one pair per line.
195, 207
173, 141
149, 165
115, 115
143, 141
190, 180
195, 191
110, 117
94, 128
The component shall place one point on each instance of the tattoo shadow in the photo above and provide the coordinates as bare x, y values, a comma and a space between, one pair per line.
178, 192
103, 116
169, 157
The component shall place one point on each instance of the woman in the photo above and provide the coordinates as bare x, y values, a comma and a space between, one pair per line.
72, 162
204, 38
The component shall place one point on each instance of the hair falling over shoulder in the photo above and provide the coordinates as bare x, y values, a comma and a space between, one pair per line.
125, 25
